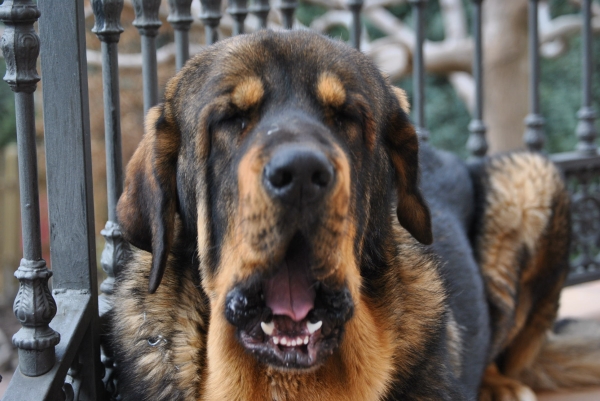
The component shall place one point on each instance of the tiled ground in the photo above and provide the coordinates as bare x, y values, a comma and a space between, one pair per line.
582, 301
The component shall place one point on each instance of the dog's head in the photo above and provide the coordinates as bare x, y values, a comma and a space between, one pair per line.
278, 151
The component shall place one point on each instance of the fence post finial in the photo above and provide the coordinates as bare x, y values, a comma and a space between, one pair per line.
419, 69
355, 6
180, 17
288, 8
261, 9
534, 133
586, 131
238, 9
147, 22
477, 143
211, 17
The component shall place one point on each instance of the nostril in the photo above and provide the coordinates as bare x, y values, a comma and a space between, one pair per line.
280, 178
321, 178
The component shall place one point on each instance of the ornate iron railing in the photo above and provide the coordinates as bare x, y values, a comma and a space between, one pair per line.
60, 356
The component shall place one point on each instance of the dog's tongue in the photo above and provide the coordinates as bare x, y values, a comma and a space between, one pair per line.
291, 291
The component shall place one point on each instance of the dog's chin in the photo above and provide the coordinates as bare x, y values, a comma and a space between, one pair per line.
300, 346
286, 318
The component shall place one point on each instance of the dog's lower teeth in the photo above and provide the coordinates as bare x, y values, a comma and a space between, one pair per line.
305, 340
276, 340
267, 328
312, 327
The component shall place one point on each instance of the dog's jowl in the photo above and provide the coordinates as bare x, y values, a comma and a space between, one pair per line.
290, 240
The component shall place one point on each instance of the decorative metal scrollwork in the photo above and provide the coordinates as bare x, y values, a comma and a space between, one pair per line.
585, 210
72, 383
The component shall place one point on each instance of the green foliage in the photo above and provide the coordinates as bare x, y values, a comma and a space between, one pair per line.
8, 128
446, 116
307, 12
561, 97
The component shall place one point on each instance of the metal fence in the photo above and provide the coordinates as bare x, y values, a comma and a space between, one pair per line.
64, 362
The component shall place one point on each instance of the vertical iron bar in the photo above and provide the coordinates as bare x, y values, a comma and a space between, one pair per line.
34, 305
180, 17
261, 9
586, 131
477, 143
211, 16
238, 9
419, 68
534, 133
108, 29
288, 8
355, 6
69, 170
147, 23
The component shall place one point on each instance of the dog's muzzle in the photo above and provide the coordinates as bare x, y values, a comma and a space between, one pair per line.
287, 318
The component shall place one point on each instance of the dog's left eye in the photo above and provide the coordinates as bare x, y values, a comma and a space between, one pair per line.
347, 116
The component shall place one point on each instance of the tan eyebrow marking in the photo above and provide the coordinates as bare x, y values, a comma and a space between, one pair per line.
249, 92
330, 90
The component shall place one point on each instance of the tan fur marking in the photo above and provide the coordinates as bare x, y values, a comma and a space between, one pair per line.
330, 90
402, 99
248, 93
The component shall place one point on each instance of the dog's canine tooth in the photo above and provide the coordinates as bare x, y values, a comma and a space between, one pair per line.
268, 328
312, 327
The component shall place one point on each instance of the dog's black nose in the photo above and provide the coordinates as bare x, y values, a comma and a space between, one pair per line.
298, 174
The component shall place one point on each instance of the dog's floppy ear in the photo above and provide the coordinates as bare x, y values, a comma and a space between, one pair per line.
403, 144
146, 210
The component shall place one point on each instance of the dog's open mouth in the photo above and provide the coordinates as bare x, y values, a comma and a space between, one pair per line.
289, 319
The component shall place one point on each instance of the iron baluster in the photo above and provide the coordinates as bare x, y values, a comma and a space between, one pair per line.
419, 69
477, 143
355, 6
238, 9
211, 17
261, 9
34, 305
534, 133
586, 131
108, 29
288, 8
180, 17
147, 23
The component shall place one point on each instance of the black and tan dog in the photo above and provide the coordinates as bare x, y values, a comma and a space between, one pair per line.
284, 244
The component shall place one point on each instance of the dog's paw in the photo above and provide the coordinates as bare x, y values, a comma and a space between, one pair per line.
497, 387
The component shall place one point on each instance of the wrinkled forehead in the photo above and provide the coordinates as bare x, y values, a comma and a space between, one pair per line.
288, 64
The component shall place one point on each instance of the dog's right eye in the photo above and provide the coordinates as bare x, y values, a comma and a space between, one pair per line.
234, 124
